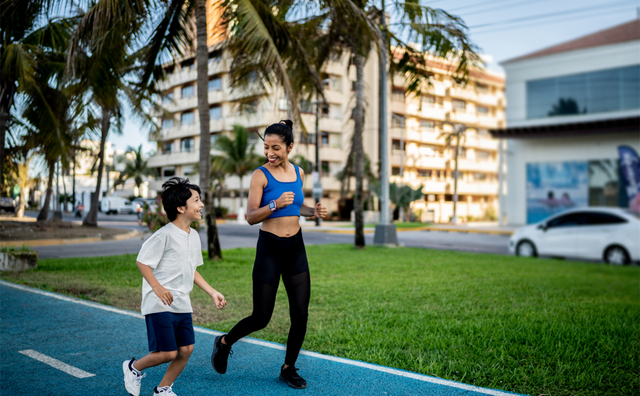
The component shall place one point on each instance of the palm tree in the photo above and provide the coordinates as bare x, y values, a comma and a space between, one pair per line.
440, 34
458, 134
137, 167
23, 45
101, 64
239, 154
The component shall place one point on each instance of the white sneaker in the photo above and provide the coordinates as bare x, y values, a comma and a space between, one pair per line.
132, 379
164, 391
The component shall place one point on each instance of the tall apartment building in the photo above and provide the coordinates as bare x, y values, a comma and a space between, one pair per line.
418, 155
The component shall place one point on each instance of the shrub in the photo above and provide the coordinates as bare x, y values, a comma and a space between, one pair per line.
155, 221
221, 211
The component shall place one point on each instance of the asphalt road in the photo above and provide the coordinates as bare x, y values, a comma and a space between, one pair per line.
56, 345
234, 236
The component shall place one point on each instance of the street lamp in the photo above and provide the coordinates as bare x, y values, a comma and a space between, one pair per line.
317, 184
458, 132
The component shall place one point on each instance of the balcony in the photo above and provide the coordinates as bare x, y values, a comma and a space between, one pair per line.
434, 113
437, 88
476, 166
172, 159
477, 188
332, 154
463, 93
433, 186
430, 162
488, 99
487, 122
463, 117
179, 131
398, 107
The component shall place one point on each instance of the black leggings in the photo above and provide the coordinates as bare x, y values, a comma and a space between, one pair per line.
276, 256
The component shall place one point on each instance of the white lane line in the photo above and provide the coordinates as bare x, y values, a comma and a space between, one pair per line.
55, 363
406, 374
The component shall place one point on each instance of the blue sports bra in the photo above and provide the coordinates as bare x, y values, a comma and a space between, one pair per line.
274, 189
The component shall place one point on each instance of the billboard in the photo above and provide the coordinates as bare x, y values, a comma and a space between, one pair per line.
555, 186
630, 169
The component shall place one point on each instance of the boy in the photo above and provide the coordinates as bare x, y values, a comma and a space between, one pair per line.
168, 261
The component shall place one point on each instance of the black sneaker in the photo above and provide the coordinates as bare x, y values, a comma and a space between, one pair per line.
220, 355
290, 377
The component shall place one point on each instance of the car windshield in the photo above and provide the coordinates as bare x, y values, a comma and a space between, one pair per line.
632, 213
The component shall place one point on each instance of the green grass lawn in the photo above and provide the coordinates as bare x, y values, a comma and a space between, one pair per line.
523, 325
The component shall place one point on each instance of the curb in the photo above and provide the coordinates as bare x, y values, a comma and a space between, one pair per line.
51, 242
443, 229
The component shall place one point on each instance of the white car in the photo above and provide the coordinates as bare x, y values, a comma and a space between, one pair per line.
595, 233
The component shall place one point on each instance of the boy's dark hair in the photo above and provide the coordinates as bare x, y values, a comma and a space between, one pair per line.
175, 193
284, 129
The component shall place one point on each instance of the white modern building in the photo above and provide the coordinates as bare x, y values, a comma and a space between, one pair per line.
570, 108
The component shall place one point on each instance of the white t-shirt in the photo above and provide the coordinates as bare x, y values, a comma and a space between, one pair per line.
173, 256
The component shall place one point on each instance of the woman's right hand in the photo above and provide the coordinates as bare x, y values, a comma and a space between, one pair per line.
285, 200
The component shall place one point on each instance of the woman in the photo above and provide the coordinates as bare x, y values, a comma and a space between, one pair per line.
276, 199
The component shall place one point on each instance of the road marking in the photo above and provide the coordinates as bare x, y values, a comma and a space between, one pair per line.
370, 366
55, 363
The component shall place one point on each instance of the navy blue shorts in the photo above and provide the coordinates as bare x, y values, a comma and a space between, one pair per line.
167, 331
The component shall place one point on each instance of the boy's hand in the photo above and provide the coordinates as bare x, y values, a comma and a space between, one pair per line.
163, 294
219, 300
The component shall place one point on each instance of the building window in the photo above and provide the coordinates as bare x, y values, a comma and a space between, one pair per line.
426, 125
324, 168
188, 64
397, 121
477, 176
482, 110
395, 171
186, 118
214, 139
187, 91
188, 170
167, 148
169, 172
482, 88
306, 106
215, 84
459, 105
167, 123
397, 144
428, 101
283, 104
325, 139
397, 95
186, 145
215, 56
311, 139
325, 111
353, 85
167, 98
587, 93
215, 112
482, 155
424, 173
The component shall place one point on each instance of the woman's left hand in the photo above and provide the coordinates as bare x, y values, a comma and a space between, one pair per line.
320, 211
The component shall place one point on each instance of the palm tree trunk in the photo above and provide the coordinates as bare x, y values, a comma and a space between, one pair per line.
241, 191
358, 149
213, 242
44, 211
7, 92
91, 220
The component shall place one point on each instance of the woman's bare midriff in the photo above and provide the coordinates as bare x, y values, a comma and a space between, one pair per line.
282, 226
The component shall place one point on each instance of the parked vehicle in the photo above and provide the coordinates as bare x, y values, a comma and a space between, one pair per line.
116, 205
595, 233
7, 204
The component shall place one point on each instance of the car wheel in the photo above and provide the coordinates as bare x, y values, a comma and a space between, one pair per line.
526, 249
616, 255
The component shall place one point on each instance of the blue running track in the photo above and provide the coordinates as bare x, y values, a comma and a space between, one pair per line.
84, 345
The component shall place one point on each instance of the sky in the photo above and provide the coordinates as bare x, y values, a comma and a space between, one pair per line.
502, 29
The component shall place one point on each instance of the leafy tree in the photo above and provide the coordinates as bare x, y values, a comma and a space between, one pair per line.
239, 154
401, 197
